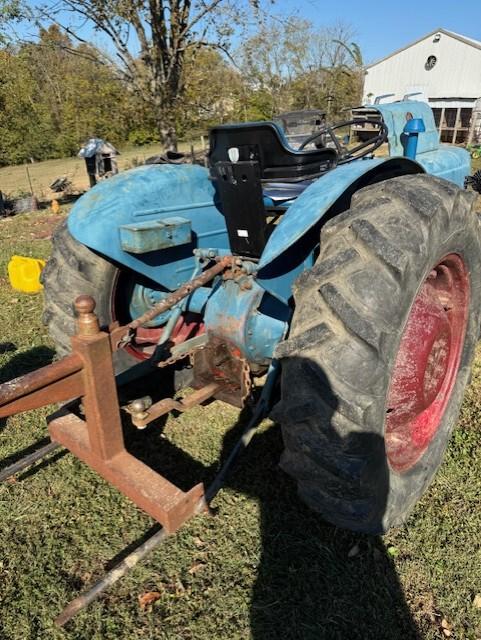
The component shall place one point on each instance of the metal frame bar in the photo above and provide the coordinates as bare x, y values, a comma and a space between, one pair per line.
27, 461
98, 439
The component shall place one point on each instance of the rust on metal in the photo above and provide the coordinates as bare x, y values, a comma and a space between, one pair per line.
220, 362
153, 493
121, 335
98, 440
87, 321
56, 382
142, 418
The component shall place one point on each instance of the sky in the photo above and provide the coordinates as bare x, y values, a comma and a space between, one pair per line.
384, 26
380, 27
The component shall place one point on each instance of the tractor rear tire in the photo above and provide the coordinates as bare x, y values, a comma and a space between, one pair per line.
380, 350
72, 270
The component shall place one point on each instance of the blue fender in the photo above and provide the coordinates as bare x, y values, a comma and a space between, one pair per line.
151, 192
289, 249
158, 192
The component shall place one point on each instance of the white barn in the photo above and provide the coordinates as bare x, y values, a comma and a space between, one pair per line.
443, 68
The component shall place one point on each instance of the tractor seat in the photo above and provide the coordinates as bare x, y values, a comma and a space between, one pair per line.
265, 144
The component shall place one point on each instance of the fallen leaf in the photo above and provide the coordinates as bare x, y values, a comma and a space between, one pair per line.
354, 551
198, 566
446, 627
393, 551
148, 598
477, 601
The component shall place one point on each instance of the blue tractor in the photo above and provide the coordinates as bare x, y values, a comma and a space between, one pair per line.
338, 288
359, 275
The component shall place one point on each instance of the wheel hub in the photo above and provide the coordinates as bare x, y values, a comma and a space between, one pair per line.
427, 363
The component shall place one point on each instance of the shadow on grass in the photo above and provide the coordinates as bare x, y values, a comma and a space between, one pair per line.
25, 361
22, 363
19, 365
314, 580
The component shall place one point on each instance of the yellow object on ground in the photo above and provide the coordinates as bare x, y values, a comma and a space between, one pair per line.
24, 273
55, 206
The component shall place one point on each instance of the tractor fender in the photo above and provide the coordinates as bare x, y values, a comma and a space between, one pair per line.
150, 194
324, 193
289, 250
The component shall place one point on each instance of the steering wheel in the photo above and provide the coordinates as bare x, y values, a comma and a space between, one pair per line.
348, 155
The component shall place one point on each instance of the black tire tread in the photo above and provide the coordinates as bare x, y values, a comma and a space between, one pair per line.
72, 270
327, 395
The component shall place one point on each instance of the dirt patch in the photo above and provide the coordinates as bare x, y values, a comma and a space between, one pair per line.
43, 228
33, 226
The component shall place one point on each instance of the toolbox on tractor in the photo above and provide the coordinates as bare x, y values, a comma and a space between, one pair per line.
332, 289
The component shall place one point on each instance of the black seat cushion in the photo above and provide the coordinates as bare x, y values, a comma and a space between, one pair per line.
264, 142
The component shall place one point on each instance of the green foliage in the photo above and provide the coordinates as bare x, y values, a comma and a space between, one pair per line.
53, 96
141, 136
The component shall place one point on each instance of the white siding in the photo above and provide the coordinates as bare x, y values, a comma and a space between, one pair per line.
457, 73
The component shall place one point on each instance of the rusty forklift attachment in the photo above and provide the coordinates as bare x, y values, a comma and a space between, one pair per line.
94, 432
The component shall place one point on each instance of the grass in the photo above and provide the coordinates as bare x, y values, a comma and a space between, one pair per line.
262, 568
14, 179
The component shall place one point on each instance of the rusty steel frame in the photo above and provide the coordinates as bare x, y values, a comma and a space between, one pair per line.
143, 418
96, 437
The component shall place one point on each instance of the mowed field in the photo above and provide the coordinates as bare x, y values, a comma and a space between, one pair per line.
14, 179
262, 567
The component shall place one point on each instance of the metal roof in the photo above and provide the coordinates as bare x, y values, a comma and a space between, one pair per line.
96, 145
469, 41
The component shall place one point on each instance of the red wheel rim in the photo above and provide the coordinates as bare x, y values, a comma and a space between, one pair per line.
146, 339
427, 363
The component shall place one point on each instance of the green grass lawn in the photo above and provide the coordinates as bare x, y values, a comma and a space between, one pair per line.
263, 567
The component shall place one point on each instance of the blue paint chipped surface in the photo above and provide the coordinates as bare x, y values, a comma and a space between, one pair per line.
152, 192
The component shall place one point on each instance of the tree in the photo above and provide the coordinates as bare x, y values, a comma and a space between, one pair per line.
51, 100
10, 12
152, 40
299, 66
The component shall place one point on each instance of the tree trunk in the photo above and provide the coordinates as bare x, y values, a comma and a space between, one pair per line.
168, 136
165, 118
